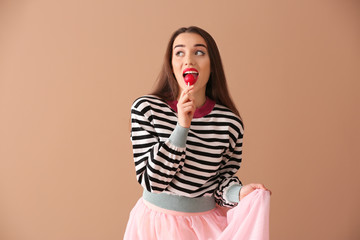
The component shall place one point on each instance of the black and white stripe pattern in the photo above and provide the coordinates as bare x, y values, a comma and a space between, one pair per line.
204, 167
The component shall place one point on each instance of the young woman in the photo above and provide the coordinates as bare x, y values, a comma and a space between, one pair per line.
187, 143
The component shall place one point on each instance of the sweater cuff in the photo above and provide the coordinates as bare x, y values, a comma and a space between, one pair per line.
233, 193
179, 135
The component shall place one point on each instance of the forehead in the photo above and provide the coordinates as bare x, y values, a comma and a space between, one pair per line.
189, 40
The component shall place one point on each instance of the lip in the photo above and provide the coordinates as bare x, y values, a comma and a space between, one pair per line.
190, 69
190, 79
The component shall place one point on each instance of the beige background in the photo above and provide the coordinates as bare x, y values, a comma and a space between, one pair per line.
69, 71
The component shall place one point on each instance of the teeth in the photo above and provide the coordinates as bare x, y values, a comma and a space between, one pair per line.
188, 72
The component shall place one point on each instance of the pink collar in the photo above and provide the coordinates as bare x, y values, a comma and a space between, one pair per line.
199, 112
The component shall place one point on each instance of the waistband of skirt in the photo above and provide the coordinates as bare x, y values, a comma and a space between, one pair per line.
180, 203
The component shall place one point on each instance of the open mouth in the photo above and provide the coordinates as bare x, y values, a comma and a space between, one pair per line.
190, 76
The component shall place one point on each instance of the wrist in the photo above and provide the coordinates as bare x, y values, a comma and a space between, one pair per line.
184, 124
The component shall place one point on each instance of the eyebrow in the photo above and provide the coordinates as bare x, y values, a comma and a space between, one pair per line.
196, 45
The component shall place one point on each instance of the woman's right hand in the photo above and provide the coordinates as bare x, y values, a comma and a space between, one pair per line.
247, 189
186, 107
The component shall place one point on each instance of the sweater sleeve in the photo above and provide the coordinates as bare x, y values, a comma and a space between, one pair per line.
156, 162
229, 187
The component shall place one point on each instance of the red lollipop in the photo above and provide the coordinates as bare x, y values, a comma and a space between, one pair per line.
189, 79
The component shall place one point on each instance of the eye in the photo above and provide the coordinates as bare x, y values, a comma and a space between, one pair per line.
179, 53
199, 53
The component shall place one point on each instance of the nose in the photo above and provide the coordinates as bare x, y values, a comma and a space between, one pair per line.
189, 61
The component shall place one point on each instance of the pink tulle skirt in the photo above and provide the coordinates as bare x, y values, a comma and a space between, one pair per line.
247, 221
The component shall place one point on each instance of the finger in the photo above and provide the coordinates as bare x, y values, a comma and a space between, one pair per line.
189, 113
262, 186
186, 94
184, 98
190, 88
186, 91
191, 96
186, 108
257, 186
183, 92
188, 103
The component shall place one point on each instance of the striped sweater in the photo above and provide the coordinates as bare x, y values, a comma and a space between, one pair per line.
204, 165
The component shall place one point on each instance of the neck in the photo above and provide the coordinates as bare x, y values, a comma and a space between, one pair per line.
200, 100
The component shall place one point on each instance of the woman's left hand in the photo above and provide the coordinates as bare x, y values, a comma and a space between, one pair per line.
247, 189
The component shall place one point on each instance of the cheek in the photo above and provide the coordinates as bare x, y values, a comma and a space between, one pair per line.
207, 68
175, 66
206, 64
177, 70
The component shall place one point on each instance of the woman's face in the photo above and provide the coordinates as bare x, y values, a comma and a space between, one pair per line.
190, 54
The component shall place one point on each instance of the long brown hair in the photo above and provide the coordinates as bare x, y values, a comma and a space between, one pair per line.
167, 87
